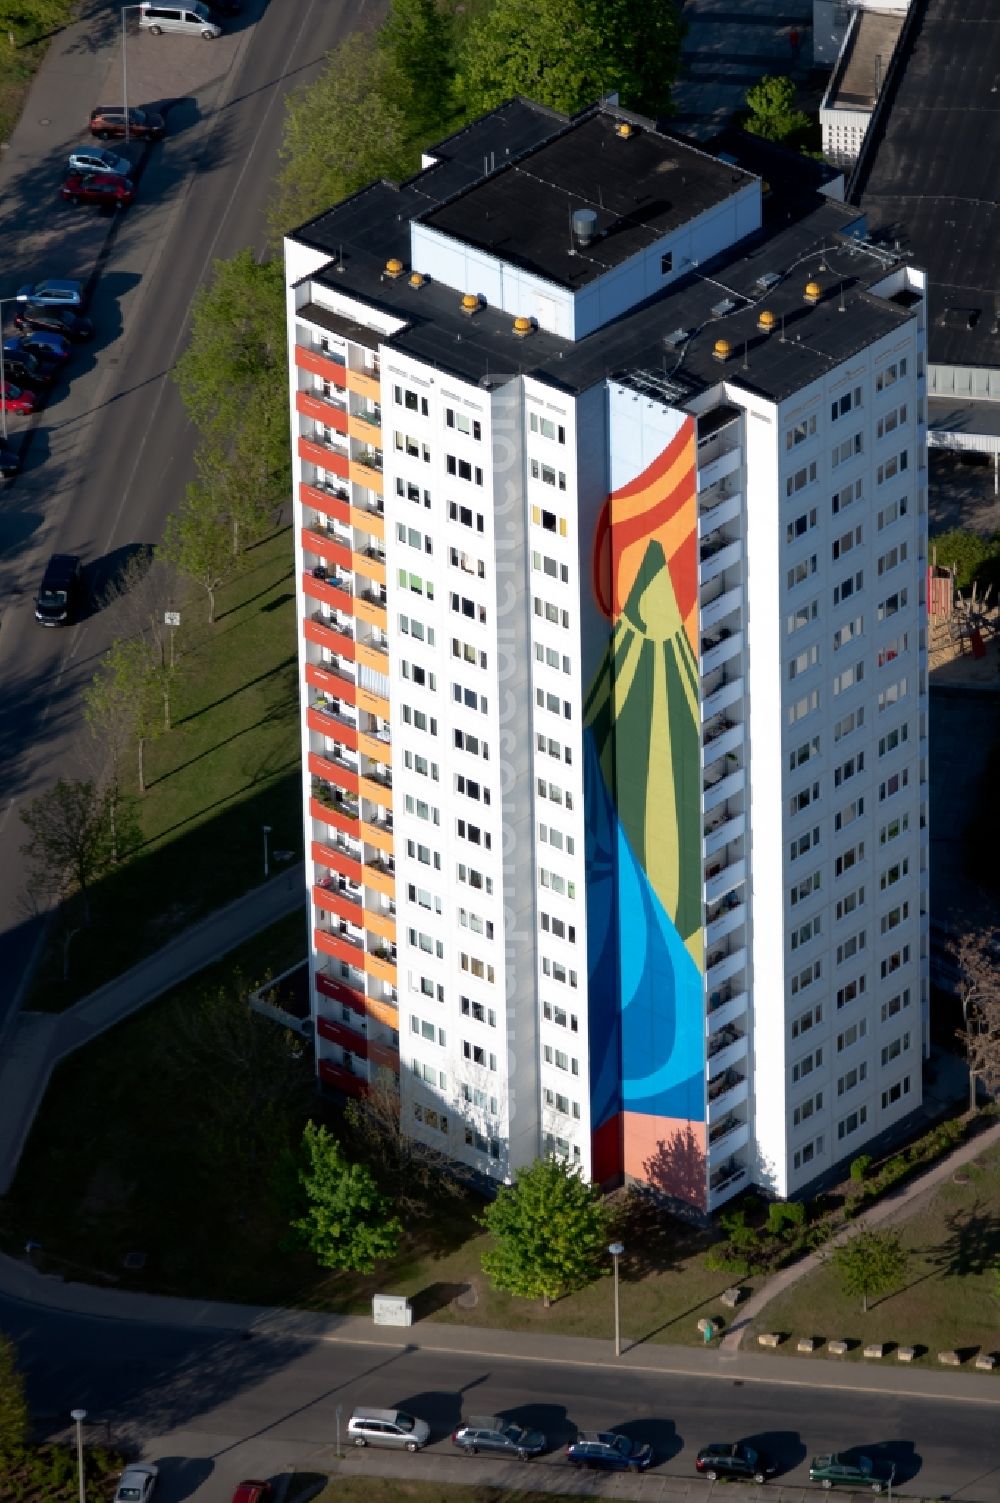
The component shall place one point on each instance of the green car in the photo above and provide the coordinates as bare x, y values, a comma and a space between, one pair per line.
851, 1471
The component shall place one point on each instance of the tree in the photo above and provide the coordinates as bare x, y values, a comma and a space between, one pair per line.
142, 593
27, 20
869, 1263
772, 112
14, 1416
978, 957
123, 705
550, 1230
348, 1224
417, 1173
569, 53
975, 559
342, 131
418, 39
197, 542
70, 846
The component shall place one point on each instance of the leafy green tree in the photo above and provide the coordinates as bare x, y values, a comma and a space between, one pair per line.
123, 706
14, 1417
349, 1223
772, 112
342, 131
197, 542
418, 39
26, 20
550, 1231
973, 557
869, 1263
70, 845
568, 53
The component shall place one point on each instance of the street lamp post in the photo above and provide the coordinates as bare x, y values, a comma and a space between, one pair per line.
267, 831
79, 1415
20, 297
125, 10
616, 1249
967, 1003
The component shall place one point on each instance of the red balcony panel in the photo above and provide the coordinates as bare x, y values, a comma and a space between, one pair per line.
327, 459
343, 1034
329, 636
333, 900
330, 856
320, 500
341, 1079
322, 589
318, 364
324, 725
339, 991
325, 546
329, 943
314, 406
333, 728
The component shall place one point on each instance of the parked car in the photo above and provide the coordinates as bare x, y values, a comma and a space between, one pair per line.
498, 1436
191, 20
608, 1452
107, 122
99, 188
19, 399
253, 1492
29, 371
97, 159
388, 1427
732, 1459
53, 293
56, 604
36, 318
136, 1484
55, 348
851, 1471
10, 462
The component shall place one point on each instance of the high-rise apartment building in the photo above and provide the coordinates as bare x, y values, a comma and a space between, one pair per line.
610, 510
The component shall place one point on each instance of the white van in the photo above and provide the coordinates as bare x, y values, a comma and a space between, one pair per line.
191, 20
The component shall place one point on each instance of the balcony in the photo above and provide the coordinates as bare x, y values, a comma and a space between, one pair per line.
722, 827
717, 554
326, 631
727, 1137
320, 363
365, 383
338, 855
725, 918
342, 1078
725, 1006
331, 984
725, 1092
317, 585
364, 428
322, 409
717, 507
722, 877
718, 446
721, 786
726, 1182
723, 963
724, 692
330, 798
727, 601
324, 456
718, 647
726, 1049
722, 734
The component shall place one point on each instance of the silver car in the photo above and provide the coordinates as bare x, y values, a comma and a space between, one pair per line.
98, 159
388, 1427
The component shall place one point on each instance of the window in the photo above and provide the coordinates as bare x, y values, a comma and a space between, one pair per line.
894, 917
894, 1049
849, 903
848, 814
412, 492
411, 627
892, 648
463, 469
546, 427
466, 516
807, 841
893, 739
849, 723
803, 707
801, 525
803, 661
851, 990
849, 858
803, 798
850, 1124
806, 977
807, 1153
892, 513
800, 479
462, 423
807, 1064
888, 561
848, 632
411, 400
892, 467
853, 538
547, 473
851, 946
799, 432
845, 497
844, 451
804, 889
893, 784
890, 375
845, 403
896, 1093
852, 1035
893, 419
807, 1109
801, 571
666, 263
802, 754
848, 677
807, 1020
894, 874
807, 931
891, 604
848, 769
848, 586
801, 616
895, 1004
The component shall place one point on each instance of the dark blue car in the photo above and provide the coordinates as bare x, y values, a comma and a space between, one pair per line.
608, 1452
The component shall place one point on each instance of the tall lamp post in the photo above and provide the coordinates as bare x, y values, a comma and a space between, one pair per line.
20, 297
125, 10
616, 1249
79, 1415
267, 831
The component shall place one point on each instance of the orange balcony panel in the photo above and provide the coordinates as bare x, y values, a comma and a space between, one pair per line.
333, 900
382, 970
380, 839
331, 943
374, 615
320, 365
333, 683
325, 546
373, 704
365, 429
380, 924
337, 861
322, 501
383, 1012
365, 386
371, 746
368, 788
327, 459
351, 1039
322, 589
328, 636
383, 1057
371, 568
375, 658
313, 406
340, 1079
360, 474
368, 521
381, 882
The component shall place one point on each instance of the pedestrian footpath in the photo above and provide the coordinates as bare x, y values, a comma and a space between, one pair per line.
37, 1042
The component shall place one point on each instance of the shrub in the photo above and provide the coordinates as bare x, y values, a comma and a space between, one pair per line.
860, 1167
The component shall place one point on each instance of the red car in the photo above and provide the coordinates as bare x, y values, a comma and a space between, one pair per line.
99, 188
16, 400
253, 1492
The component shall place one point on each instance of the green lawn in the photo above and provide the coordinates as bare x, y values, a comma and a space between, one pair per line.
229, 765
948, 1300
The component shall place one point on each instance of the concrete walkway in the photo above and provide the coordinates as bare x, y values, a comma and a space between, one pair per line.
38, 1041
892, 1208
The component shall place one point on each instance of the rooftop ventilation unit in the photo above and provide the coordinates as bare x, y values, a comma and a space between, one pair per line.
674, 338
726, 306
767, 280
584, 226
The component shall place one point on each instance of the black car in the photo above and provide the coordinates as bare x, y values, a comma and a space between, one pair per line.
608, 1452
10, 462
53, 321
28, 370
733, 1459
498, 1437
61, 590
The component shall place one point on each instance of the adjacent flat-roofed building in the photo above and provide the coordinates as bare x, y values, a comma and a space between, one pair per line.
611, 534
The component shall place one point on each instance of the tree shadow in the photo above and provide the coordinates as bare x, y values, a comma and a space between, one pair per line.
677, 1167
783, 1449
659, 1434
972, 1245
658, 1241
436, 1296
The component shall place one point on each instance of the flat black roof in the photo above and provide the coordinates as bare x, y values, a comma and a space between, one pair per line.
640, 188
929, 178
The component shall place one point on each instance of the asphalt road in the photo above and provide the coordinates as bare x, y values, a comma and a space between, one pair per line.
209, 1407
109, 460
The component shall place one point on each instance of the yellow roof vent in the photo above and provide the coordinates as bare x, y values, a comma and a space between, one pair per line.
813, 292
394, 268
417, 279
722, 349
766, 321
470, 304
625, 130
523, 327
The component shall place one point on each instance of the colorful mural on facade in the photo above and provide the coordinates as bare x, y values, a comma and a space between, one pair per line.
642, 787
